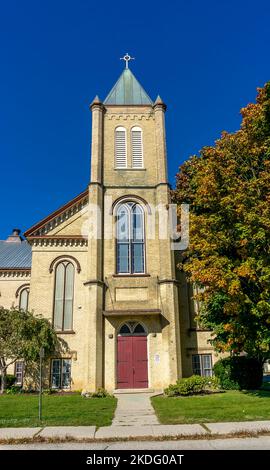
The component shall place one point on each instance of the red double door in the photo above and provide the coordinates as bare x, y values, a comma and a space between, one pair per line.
132, 368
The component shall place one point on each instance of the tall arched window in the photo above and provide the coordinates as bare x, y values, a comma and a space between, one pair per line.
24, 298
136, 147
130, 239
63, 296
120, 147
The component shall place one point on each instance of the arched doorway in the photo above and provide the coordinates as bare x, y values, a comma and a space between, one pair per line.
132, 362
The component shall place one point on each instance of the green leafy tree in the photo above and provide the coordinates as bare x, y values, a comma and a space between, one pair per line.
22, 334
228, 189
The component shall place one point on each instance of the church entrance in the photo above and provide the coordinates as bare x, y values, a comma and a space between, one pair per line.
132, 362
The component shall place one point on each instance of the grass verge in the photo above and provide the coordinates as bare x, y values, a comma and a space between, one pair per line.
57, 410
220, 407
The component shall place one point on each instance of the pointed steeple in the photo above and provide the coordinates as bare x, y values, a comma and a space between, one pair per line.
128, 91
160, 102
96, 101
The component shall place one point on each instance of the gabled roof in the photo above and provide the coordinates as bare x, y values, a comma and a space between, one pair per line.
38, 226
127, 91
15, 255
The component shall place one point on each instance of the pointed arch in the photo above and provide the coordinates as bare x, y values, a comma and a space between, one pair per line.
23, 286
131, 197
63, 257
132, 328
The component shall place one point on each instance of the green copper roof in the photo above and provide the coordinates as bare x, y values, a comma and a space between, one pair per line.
127, 90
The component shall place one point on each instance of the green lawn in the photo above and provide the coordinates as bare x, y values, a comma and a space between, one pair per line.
67, 410
227, 406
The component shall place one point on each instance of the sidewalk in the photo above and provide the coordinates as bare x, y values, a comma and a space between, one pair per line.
153, 432
135, 419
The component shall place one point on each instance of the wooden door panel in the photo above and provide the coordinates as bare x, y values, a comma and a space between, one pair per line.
132, 362
140, 362
124, 362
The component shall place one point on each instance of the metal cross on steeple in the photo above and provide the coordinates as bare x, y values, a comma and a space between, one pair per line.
127, 58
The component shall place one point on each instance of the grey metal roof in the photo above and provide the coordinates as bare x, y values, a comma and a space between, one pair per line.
15, 255
127, 90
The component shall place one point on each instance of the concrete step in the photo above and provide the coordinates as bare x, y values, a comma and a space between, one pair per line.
133, 390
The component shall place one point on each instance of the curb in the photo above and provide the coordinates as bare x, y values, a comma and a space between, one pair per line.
38, 438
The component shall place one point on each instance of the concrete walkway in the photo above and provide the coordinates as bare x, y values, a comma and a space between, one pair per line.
134, 409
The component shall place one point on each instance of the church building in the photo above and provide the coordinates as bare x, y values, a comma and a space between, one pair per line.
93, 267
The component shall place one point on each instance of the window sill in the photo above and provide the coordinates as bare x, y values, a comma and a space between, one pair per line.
129, 169
199, 329
65, 332
131, 275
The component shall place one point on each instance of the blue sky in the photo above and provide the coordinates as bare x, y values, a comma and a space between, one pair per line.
205, 59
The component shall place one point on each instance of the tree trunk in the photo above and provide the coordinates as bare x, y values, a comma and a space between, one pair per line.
3, 380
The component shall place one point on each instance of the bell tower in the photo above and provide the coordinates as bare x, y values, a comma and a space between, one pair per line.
131, 280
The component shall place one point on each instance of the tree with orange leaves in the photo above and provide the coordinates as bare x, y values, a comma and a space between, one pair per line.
228, 189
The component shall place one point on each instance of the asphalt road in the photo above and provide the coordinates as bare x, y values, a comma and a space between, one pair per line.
260, 443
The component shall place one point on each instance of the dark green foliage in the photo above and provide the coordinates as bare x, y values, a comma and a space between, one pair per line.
239, 373
14, 390
10, 380
22, 334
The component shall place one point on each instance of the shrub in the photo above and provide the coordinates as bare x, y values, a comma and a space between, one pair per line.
172, 390
10, 380
239, 372
14, 390
100, 393
193, 385
48, 391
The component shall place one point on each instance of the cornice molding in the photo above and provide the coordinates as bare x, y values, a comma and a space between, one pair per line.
59, 216
15, 272
130, 116
54, 240
117, 313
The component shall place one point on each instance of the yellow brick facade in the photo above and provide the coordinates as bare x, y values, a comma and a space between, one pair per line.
103, 300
